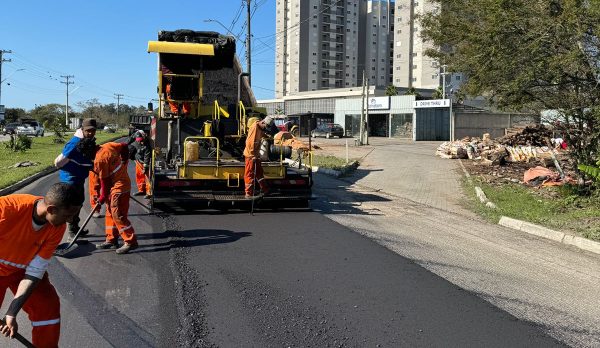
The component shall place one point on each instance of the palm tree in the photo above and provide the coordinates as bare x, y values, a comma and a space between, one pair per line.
391, 90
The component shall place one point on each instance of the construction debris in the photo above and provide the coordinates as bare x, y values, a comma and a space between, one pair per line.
24, 164
506, 158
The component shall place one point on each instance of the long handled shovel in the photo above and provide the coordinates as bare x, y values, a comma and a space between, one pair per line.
67, 247
140, 203
19, 337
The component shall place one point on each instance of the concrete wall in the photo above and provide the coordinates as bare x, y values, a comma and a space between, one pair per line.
476, 124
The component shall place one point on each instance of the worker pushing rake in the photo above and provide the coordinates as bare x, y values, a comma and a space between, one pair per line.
31, 228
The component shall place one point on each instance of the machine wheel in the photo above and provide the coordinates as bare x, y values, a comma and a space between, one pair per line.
327, 136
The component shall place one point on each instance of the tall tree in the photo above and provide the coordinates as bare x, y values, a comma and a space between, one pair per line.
526, 55
13, 114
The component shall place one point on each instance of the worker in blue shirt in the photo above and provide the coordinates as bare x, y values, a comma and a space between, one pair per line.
76, 161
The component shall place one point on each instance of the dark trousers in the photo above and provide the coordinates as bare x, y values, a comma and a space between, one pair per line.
74, 225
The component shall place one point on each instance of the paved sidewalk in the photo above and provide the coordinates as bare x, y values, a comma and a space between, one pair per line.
403, 168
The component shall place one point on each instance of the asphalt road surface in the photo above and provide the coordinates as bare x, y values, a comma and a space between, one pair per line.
274, 279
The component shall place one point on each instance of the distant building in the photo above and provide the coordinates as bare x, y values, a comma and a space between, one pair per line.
326, 44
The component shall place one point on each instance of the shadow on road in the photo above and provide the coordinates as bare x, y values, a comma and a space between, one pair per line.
336, 196
189, 239
172, 239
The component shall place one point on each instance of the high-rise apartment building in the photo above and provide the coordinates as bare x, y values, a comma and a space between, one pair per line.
316, 45
411, 67
323, 44
375, 36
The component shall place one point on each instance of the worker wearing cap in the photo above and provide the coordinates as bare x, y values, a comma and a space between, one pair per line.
31, 228
110, 165
76, 164
140, 148
253, 170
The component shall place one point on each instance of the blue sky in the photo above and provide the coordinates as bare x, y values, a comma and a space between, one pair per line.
103, 44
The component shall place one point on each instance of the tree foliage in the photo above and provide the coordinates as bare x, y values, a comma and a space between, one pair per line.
14, 114
391, 90
526, 55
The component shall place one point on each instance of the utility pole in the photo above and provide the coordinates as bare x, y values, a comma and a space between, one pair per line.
248, 56
444, 81
362, 112
367, 116
67, 82
118, 96
2, 60
450, 116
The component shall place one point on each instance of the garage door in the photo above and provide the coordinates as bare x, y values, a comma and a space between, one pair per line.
433, 124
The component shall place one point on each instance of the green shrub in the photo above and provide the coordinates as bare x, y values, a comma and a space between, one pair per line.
19, 143
591, 171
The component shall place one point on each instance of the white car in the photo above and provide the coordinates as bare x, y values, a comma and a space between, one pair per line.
111, 128
32, 128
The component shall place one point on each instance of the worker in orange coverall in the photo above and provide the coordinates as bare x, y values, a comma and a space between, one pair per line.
141, 152
110, 165
31, 228
253, 170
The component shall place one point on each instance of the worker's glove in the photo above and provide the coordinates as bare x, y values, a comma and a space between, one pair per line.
100, 200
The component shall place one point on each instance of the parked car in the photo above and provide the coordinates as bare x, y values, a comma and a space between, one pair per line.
30, 127
10, 128
110, 128
328, 130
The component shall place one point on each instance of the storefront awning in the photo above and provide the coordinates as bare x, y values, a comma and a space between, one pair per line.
181, 48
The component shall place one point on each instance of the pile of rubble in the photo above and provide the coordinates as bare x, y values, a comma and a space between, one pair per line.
518, 145
507, 158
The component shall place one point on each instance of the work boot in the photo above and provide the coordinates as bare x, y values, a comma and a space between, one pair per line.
107, 245
148, 196
139, 193
253, 196
127, 247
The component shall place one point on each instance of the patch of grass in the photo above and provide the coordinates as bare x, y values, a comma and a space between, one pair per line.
568, 212
43, 150
335, 163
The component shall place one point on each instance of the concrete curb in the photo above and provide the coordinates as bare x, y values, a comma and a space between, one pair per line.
478, 191
540, 231
19, 185
49, 170
334, 173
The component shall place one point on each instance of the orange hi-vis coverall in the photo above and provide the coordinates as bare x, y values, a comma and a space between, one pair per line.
27, 251
94, 187
111, 168
142, 181
253, 169
174, 106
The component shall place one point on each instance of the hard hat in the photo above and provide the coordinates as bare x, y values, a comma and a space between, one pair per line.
251, 121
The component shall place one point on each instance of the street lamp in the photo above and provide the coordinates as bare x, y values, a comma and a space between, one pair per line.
2, 81
248, 54
224, 27
11, 74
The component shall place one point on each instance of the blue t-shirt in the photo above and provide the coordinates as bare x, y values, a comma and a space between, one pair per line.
78, 167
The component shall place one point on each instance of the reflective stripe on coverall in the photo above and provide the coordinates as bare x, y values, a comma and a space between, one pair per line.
249, 176
141, 180
42, 307
116, 220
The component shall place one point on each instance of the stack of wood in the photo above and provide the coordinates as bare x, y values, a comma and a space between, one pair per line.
536, 135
